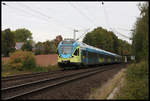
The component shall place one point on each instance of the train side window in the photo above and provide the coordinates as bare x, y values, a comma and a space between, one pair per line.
84, 53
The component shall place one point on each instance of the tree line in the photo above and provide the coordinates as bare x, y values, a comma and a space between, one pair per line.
107, 40
99, 37
10, 38
140, 44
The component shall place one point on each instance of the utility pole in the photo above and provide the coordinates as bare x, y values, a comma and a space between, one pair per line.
74, 37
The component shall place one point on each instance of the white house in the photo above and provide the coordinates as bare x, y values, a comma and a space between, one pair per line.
19, 45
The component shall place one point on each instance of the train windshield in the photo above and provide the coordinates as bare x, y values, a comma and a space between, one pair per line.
66, 49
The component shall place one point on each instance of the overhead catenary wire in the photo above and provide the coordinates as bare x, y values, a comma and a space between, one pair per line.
26, 12
82, 34
124, 29
33, 14
55, 20
81, 13
84, 15
45, 17
107, 21
122, 35
36, 11
106, 17
48, 17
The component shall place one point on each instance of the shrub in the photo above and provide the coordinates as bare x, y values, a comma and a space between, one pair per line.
136, 85
22, 60
53, 67
46, 68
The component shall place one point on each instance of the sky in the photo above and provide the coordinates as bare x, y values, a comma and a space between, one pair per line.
46, 20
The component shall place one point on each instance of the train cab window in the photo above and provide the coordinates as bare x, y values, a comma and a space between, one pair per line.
76, 53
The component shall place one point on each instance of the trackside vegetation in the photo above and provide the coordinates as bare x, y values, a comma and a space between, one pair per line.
21, 62
136, 85
135, 81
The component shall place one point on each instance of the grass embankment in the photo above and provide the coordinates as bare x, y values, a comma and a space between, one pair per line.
9, 71
104, 91
136, 82
22, 62
132, 84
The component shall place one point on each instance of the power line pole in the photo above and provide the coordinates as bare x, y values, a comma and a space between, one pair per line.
74, 34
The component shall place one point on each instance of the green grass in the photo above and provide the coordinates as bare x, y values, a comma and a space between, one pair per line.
21, 62
46, 68
9, 71
136, 82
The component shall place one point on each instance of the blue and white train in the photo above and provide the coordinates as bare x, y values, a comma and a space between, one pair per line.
71, 52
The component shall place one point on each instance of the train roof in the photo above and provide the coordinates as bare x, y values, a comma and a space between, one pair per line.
94, 49
88, 47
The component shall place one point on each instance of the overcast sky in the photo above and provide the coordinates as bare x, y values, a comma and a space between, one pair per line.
46, 20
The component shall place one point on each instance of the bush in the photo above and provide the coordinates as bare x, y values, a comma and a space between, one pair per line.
136, 84
46, 68
53, 67
22, 60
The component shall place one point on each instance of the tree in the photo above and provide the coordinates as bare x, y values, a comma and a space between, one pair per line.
100, 38
107, 40
8, 42
58, 39
27, 46
49, 47
39, 48
140, 34
22, 35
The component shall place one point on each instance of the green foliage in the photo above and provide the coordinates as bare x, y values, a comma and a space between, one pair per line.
8, 42
99, 38
46, 47
53, 67
107, 40
9, 39
22, 60
140, 43
49, 47
27, 46
136, 85
22, 35
124, 48
46, 68
39, 48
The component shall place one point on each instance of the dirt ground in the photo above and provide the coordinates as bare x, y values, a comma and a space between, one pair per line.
43, 60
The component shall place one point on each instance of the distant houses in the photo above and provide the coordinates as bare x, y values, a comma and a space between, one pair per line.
39, 48
19, 45
33, 47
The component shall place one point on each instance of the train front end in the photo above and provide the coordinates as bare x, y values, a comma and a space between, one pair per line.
69, 54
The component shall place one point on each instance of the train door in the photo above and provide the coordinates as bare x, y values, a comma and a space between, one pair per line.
83, 57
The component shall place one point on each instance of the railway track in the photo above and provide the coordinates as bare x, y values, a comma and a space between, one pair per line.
21, 79
18, 91
22, 76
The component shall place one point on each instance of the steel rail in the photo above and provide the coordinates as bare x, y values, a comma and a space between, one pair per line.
71, 76
21, 76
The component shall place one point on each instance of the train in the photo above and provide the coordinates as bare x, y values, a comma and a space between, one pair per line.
75, 54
